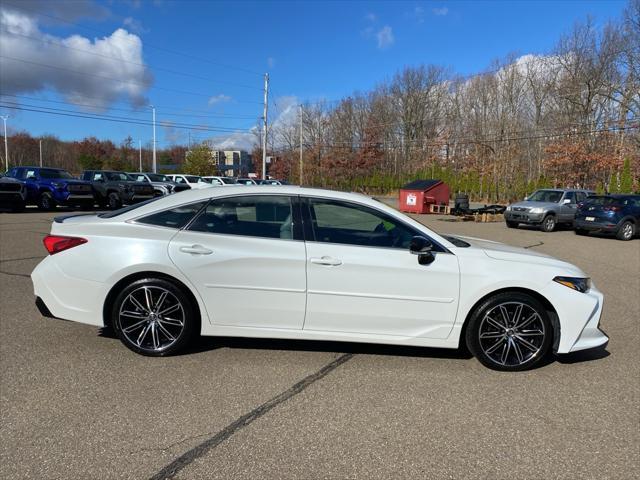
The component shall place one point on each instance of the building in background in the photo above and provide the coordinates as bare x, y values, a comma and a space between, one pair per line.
232, 163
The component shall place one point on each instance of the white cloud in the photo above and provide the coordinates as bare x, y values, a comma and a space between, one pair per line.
222, 98
134, 25
385, 37
440, 12
271, 62
418, 13
370, 17
84, 71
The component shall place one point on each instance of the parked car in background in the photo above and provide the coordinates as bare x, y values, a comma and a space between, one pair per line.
194, 181
162, 184
301, 263
246, 181
114, 188
272, 181
48, 187
618, 214
546, 208
13, 194
219, 181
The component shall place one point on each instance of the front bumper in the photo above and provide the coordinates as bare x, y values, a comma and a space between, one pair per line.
75, 199
523, 217
579, 317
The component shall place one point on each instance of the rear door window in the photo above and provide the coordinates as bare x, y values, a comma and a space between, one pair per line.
266, 216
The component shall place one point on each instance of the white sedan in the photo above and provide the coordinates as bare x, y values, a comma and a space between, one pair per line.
297, 263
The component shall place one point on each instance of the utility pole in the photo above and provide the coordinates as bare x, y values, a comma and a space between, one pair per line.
264, 126
40, 152
153, 109
6, 149
140, 154
301, 177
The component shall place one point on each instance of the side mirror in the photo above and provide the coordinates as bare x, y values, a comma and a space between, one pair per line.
526, 198
566, 201
421, 247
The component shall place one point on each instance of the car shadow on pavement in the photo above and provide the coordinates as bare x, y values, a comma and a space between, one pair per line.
583, 356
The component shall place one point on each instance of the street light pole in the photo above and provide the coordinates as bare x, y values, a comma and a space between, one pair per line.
140, 154
264, 135
154, 138
6, 149
40, 152
301, 145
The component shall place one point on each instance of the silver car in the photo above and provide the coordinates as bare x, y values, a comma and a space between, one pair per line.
546, 208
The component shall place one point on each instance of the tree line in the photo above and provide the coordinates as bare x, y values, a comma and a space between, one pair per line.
568, 118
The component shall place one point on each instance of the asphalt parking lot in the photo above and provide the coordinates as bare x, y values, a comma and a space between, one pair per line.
75, 403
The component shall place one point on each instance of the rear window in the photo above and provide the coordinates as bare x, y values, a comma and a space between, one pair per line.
120, 211
604, 200
176, 217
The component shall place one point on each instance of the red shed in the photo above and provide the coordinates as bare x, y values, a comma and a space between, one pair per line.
419, 195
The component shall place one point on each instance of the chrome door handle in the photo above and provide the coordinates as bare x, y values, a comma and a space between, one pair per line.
333, 262
196, 249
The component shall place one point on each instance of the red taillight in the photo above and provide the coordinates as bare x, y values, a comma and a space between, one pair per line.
57, 243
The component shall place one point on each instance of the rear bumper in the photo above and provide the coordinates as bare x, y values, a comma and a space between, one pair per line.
74, 299
598, 225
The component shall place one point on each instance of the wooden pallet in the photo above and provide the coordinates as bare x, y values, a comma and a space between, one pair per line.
439, 209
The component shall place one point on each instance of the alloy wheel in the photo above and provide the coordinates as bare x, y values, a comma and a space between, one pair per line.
151, 318
512, 334
627, 231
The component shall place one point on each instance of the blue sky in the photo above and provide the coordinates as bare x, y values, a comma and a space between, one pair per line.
312, 51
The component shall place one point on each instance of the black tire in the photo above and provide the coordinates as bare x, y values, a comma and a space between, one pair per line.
19, 207
626, 231
537, 332
46, 202
113, 201
549, 223
133, 338
512, 224
581, 231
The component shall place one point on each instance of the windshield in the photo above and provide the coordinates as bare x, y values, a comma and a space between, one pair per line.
229, 180
551, 196
47, 173
156, 177
118, 176
191, 178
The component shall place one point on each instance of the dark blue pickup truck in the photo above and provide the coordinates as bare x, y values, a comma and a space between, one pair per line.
48, 187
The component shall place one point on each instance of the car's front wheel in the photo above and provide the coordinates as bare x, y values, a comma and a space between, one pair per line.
114, 201
153, 317
512, 224
626, 231
510, 331
548, 223
46, 201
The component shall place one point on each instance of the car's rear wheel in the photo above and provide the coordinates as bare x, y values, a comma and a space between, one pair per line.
153, 317
512, 224
46, 201
510, 331
114, 201
626, 231
548, 223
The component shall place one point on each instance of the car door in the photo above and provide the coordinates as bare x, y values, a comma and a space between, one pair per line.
568, 207
246, 258
362, 279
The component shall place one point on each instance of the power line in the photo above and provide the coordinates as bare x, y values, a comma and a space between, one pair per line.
129, 111
116, 79
162, 49
62, 45
109, 118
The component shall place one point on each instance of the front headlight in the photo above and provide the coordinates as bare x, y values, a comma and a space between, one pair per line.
580, 284
536, 210
59, 186
508, 208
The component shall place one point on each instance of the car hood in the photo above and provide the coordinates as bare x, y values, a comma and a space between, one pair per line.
528, 204
11, 180
501, 251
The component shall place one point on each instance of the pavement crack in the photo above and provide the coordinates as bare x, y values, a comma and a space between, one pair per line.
18, 259
534, 245
172, 469
26, 275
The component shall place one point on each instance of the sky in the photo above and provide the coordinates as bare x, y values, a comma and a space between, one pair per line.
202, 63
